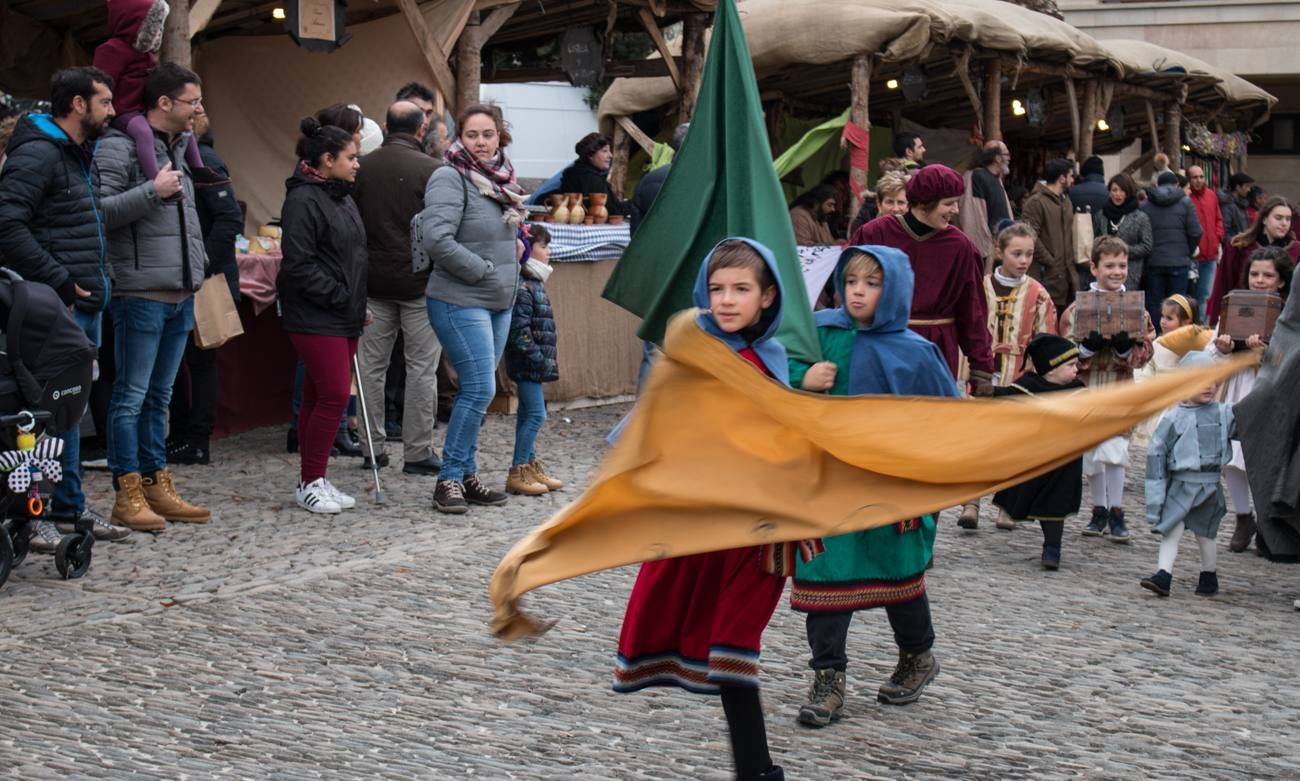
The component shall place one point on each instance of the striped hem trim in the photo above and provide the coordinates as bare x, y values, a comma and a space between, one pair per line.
839, 598
726, 666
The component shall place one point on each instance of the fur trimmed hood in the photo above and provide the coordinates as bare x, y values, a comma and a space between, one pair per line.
138, 23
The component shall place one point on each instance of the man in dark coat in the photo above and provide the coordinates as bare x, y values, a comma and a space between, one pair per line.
647, 190
1089, 193
1175, 236
194, 402
389, 192
52, 231
1233, 203
1049, 211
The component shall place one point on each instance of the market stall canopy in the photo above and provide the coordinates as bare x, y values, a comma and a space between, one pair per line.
38, 37
1155, 66
786, 34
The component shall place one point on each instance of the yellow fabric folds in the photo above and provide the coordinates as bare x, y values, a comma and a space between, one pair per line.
718, 456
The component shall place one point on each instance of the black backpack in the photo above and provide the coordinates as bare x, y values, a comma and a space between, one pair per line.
47, 360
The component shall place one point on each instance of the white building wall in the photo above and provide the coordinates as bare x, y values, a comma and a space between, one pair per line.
546, 120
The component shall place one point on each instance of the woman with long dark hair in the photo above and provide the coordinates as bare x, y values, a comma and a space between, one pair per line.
469, 225
1272, 227
322, 292
1120, 216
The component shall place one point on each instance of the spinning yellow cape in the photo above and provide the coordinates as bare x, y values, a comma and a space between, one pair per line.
718, 456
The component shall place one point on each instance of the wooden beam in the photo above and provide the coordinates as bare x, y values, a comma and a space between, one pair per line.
859, 114
962, 71
618, 162
693, 70
434, 54
176, 35
1151, 124
656, 35
1088, 125
1174, 135
469, 63
451, 33
645, 142
200, 14
993, 101
1072, 99
493, 21
1140, 161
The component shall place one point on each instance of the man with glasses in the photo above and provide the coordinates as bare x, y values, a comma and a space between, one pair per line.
155, 245
437, 134
987, 182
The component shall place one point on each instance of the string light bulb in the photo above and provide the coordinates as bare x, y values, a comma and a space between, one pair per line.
891, 84
1017, 108
277, 14
1103, 125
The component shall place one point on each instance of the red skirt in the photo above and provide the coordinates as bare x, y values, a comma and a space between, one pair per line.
697, 621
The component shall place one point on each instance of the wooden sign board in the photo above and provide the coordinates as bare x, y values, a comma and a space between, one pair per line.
1109, 313
1250, 312
582, 57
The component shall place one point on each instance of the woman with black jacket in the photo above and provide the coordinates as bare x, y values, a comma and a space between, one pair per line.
322, 290
590, 172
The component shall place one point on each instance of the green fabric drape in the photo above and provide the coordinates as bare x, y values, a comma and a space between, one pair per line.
810, 143
722, 185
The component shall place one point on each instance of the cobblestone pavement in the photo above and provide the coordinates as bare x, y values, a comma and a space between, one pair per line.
276, 644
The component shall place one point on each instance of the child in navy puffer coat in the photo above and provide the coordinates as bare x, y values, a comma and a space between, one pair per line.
531, 361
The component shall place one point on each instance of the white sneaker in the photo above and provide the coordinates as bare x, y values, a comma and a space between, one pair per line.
317, 497
345, 501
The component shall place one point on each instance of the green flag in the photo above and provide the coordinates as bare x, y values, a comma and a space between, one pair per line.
721, 184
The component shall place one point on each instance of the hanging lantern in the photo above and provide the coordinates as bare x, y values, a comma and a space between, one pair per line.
1035, 107
316, 25
1116, 120
914, 86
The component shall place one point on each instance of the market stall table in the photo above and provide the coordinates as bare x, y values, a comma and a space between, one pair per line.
255, 371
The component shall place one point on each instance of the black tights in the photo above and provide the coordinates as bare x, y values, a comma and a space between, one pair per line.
748, 733
1052, 532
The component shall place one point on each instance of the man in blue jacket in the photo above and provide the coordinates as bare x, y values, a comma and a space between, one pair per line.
52, 231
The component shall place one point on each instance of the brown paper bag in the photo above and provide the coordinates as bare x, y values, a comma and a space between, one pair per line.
1082, 238
216, 321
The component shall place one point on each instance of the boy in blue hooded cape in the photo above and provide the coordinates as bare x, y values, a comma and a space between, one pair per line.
697, 621
869, 350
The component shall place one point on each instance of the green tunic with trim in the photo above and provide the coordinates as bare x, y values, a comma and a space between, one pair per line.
864, 569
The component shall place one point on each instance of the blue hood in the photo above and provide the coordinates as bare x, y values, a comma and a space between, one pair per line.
887, 357
771, 351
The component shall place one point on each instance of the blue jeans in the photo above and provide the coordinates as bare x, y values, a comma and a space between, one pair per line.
1205, 285
1163, 282
648, 353
473, 339
528, 421
150, 341
68, 495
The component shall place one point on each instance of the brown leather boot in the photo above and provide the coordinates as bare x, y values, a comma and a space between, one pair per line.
542, 476
161, 494
970, 516
1242, 533
521, 481
131, 509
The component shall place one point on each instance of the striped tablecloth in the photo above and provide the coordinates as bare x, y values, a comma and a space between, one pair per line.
587, 242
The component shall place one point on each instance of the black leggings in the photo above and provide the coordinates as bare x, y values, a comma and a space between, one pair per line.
748, 733
828, 633
1052, 532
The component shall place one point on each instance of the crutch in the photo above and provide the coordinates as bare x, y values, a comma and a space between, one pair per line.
378, 495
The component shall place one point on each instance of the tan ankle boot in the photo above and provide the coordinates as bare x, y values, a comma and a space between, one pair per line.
131, 509
160, 491
521, 481
540, 475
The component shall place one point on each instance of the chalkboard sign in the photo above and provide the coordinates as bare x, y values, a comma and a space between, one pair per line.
582, 57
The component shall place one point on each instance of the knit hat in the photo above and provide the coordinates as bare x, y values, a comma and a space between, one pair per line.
934, 183
1194, 359
1048, 351
1168, 177
1238, 179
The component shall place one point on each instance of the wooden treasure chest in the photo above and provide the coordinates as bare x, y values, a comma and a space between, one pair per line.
1248, 312
1109, 312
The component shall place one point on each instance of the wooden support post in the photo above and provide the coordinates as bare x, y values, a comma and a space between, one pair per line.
176, 35
962, 70
860, 91
493, 21
618, 162
993, 102
1151, 125
1072, 101
469, 64
656, 35
692, 63
435, 56
1174, 136
1088, 124
628, 126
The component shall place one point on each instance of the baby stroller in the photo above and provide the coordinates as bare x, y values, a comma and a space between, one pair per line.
45, 373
